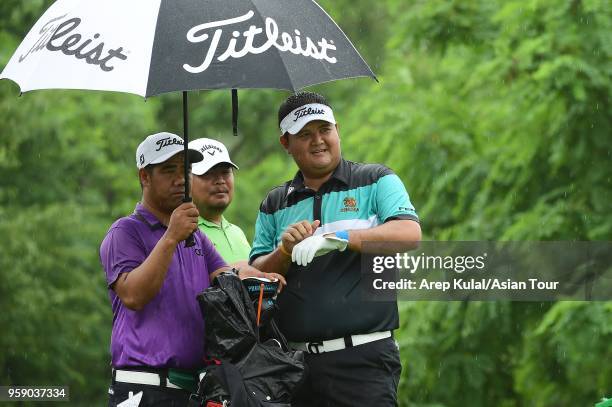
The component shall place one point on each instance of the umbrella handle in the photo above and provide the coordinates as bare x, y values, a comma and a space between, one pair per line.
190, 241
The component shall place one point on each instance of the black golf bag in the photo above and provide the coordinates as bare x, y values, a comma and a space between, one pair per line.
251, 365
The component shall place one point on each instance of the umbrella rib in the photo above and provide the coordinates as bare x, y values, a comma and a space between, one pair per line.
148, 74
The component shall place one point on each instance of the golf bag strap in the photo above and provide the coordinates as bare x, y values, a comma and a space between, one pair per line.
231, 380
279, 335
234, 384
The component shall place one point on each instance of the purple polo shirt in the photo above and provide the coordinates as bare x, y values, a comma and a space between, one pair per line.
169, 330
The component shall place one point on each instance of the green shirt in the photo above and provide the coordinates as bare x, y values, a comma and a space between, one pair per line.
229, 239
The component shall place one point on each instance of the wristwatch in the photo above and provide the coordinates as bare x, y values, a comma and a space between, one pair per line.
236, 271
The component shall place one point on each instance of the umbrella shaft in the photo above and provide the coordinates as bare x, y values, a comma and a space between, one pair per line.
186, 140
190, 241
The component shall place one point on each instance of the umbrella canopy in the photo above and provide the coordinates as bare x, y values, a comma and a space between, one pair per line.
148, 47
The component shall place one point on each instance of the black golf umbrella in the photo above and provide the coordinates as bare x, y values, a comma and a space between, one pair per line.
149, 47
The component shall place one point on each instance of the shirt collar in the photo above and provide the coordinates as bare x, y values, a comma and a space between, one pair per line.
206, 223
341, 173
148, 217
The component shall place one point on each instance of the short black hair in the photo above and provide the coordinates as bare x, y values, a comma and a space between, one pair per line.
297, 100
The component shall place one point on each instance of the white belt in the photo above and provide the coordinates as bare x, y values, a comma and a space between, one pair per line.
339, 343
134, 377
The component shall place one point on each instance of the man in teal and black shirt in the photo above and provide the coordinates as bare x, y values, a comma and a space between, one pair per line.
311, 229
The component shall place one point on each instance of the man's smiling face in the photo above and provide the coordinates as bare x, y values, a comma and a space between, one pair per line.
315, 148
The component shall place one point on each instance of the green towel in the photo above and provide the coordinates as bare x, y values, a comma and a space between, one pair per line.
185, 379
604, 403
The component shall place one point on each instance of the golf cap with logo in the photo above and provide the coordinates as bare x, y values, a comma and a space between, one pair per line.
159, 147
214, 153
300, 117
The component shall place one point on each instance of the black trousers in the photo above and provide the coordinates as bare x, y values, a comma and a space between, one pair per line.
152, 396
364, 375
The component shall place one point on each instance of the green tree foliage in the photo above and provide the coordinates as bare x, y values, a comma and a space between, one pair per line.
564, 356
67, 170
496, 114
55, 318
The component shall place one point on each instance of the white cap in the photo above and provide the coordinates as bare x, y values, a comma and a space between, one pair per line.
214, 153
300, 117
159, 147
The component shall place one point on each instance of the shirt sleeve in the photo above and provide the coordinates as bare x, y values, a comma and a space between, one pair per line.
214, 261
120, 252
265, 230
392, 200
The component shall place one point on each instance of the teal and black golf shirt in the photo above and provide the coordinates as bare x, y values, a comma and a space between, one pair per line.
323, 300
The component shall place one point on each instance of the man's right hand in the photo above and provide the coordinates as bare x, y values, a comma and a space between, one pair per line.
297, 232
183, 222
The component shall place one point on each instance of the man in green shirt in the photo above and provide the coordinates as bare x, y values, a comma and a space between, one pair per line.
213, 190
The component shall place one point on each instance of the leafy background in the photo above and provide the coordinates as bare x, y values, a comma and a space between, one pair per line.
496, 114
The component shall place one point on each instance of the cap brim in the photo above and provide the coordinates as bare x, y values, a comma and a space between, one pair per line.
194, 156
202, 168
295, 121
299, 125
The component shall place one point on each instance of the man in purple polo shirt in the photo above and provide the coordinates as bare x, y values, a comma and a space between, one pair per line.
153, 280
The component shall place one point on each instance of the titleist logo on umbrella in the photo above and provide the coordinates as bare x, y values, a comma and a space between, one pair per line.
284, 42
54, 36
149, 47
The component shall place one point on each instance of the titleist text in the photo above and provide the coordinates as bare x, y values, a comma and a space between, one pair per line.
284, 42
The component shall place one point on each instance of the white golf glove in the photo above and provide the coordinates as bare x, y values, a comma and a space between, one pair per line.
315, 246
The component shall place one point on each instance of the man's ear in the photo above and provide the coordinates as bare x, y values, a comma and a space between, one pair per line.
284, 140
144, 176
337, 130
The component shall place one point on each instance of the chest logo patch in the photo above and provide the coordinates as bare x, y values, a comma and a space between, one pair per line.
350, 205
